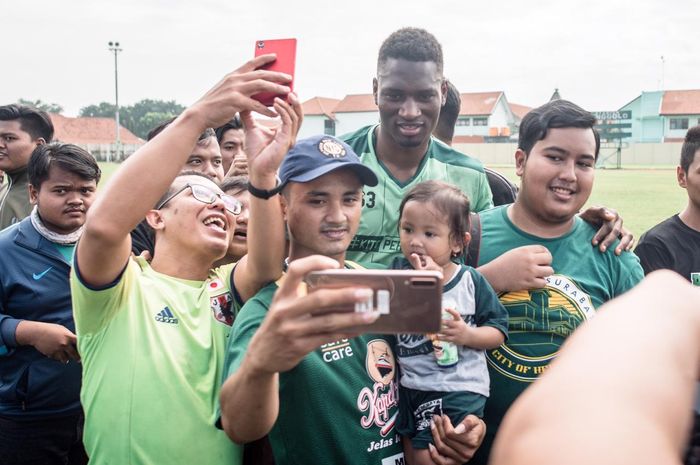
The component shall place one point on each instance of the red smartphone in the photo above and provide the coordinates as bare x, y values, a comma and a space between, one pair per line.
286, 51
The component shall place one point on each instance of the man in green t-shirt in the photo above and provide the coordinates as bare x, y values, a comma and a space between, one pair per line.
409, 90
152, 336
557, 150
296, 371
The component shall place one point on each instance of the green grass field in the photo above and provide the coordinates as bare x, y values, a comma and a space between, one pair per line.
643, 197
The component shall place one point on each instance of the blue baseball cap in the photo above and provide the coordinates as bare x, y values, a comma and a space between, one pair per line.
315, 156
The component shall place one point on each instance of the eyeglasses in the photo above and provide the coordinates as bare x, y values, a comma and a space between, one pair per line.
208, 196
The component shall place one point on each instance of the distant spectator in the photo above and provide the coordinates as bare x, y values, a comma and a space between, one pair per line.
41, 419
231, 139
674, 244
22, 129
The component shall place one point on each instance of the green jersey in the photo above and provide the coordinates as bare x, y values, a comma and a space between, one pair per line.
338, 405
377, 239
152, 350
540, 320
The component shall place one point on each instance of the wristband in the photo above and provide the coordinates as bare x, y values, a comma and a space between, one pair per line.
262, 193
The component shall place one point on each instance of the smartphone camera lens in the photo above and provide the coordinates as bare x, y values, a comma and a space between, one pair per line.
261, 44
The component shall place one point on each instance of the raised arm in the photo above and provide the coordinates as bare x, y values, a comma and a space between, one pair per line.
250, 397
266, 242
138, 184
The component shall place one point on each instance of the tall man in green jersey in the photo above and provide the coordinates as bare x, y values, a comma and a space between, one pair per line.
555, 160
152, 336
409, 90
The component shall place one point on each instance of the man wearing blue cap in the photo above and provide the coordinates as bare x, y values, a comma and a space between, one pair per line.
324, 394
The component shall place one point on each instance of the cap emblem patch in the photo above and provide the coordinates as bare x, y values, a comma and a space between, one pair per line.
331, 148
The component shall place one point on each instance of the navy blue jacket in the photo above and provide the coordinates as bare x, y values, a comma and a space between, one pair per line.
34, 286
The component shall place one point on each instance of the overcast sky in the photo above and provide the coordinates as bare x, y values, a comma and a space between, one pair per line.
600, 54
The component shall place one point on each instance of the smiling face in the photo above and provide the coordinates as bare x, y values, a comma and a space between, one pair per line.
206, 159
424, 230
323, 215
557, 179
194, 225
16, 145
63, 200
231, 145
409, 95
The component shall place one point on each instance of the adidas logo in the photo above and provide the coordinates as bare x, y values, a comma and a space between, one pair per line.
166, 316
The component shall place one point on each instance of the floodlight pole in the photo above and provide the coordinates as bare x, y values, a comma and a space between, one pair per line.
114, 47
663, 65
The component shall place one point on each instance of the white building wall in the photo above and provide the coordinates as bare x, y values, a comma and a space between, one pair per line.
311, 126
693, 120
501, 116
349, 122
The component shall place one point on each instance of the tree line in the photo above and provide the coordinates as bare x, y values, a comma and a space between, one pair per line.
138, 118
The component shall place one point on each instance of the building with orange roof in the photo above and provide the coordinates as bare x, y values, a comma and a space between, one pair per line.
663, 116
487, 115
484, 116
96, 135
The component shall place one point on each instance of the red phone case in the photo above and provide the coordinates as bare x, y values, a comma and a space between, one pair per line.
286, 51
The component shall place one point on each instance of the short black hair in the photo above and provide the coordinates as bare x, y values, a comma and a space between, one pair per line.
449, 113
554, 114
68, 157
447, 199
411, 44
235, 123
37, 123
234, 183
690, 147
208, 132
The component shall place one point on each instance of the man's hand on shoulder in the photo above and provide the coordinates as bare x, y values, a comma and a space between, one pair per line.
610, 227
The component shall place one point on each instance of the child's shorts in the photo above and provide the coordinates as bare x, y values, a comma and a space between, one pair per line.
416, 409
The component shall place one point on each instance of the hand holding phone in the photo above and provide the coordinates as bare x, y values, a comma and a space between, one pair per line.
286, 50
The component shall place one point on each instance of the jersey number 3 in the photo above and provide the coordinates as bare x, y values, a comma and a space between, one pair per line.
368, 200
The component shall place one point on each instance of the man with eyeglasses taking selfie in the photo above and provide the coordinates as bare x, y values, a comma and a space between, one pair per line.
152, 336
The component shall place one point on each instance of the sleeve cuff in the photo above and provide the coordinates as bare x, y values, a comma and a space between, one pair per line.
8, 327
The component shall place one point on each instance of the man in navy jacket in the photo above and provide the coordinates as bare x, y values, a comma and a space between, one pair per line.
40, 413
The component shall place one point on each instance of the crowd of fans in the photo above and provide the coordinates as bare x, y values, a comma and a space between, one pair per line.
163, 319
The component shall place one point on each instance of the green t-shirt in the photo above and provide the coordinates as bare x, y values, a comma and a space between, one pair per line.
541, 319
377, 239
152, 349
339, 405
